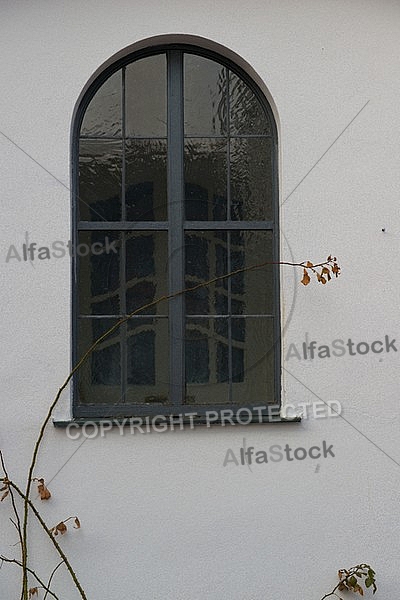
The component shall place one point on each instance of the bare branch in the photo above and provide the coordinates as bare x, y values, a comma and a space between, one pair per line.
32, 572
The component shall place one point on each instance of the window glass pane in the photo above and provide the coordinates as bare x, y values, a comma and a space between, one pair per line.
236, 356
211, 254
141, 354
146, 271
100, 180
148, 361
252, 291
205, 179
251, 179
205, 96
103, 115
253, 360
204, 384
246, 113
146, 97
99, 379
197, 356
146, 180
99, 272
202, 263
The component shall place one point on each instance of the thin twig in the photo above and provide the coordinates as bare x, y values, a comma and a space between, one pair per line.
17, 525
51, 577
332, 593
32, 572
54, 541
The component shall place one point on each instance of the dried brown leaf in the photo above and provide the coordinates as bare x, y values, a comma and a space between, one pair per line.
336, 269
4, 496
43, 491
61, 527
77, 523
306, 278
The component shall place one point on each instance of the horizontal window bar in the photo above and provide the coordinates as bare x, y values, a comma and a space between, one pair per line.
147, 316
228, 225
233, 316
161, 137
163, 225
225, 137
119, 137
122, 226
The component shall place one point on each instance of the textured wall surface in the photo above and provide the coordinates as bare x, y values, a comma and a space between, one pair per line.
161, 516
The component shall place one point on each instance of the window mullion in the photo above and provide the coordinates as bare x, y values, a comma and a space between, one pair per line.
176, 231
123, 328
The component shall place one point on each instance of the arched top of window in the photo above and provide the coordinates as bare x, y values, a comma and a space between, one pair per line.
225, 97
175, 156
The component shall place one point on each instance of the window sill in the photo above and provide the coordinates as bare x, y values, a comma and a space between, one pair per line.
80, 422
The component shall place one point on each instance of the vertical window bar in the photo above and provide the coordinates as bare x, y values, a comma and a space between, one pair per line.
123, 329
122, 266
123, 118
228, 148
176, 232
229, 217
229, 267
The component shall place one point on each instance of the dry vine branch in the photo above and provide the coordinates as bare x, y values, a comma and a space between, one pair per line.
54, 541
32, 572
307, 266
348, 580
50, 579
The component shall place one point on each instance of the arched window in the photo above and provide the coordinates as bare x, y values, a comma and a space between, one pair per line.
175, 167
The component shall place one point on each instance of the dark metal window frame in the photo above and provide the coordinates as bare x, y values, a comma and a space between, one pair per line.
175, 234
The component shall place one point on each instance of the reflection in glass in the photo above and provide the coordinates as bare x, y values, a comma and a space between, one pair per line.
146, 180
252, 290
103, 115
146, 97
100, 376
100, 169
255, 378
99, 272
204, 382
205, 179
235, 357
223, 357
246, 113
148, 361
205, 96
197, 356
146, 271
141, 357
202, 263
251, 179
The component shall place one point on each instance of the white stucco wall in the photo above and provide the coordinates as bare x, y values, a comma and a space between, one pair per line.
161, 516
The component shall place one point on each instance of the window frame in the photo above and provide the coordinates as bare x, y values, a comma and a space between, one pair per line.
175, 112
